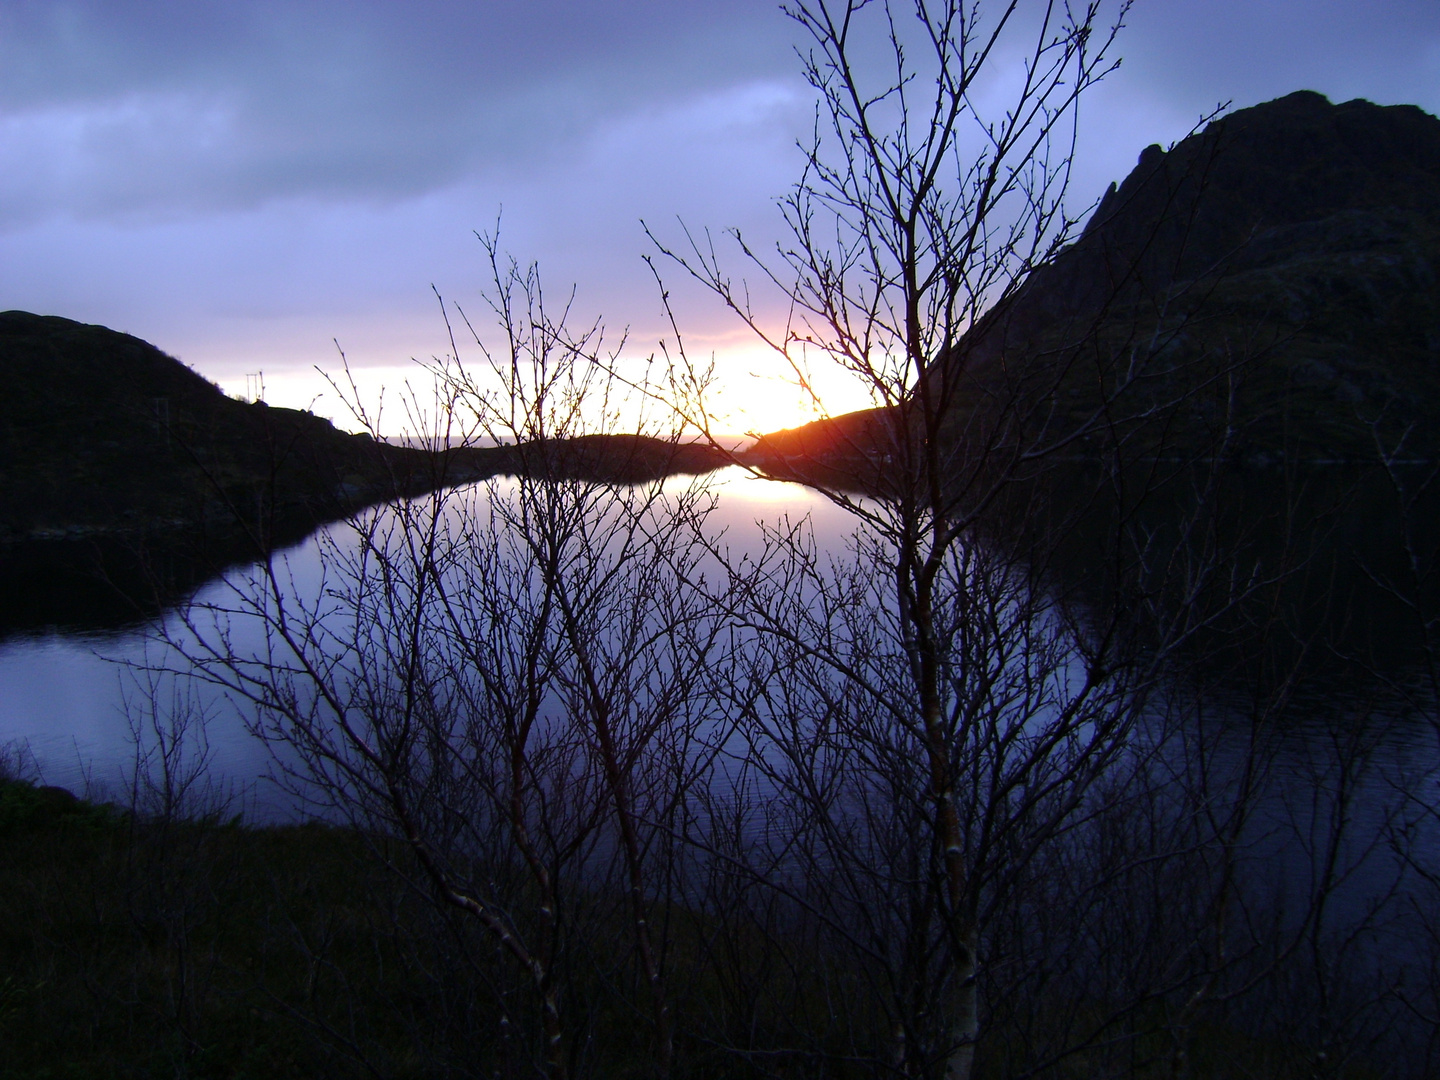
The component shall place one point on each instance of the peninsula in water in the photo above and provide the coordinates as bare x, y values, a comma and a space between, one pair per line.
127, 478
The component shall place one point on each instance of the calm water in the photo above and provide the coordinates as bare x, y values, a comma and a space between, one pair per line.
78, 703
72, 698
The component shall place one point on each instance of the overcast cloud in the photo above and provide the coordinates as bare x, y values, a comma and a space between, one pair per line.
240, 182
113, 109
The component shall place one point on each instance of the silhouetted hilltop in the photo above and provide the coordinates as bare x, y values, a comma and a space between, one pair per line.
127, 479
1288, 253
103, 432
1230, 197
611, 459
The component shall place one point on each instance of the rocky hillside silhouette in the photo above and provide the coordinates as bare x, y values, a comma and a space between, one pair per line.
127, 479
104, 433
1291, 247
1275, 277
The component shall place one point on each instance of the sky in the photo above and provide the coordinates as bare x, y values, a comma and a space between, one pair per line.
247, 183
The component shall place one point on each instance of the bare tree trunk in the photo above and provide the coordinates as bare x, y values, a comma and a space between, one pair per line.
908, 239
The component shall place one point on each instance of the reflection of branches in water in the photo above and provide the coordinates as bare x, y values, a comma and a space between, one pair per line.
504, 678
1221, 871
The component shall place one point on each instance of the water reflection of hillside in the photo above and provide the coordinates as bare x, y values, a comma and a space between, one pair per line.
1344, 761
1351, 551
108, 583
102, 580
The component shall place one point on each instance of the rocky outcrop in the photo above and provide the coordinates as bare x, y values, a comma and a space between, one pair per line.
1289, 251
1275, 279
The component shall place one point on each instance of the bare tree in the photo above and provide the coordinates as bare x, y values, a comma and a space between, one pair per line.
936, 713
936, 804
501, 679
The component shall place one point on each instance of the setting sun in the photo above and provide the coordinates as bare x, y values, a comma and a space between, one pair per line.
756, 391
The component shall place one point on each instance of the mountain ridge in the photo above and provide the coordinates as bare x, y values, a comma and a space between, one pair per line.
104, 434
1291, 248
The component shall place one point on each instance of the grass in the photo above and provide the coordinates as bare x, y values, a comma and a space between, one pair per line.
201, 949
133, 947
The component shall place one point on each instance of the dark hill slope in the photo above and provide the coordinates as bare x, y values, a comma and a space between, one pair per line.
102, 432
1289, 252
1228, 197
1294, 245
127, 479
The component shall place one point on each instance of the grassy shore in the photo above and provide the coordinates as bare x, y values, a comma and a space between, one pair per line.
195, 948
207, 948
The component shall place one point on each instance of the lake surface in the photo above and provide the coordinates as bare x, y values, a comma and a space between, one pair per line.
73, 699
70, 698
1364, 813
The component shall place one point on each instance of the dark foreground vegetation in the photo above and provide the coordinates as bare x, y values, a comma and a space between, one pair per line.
1064, 763
174, 948
174, 944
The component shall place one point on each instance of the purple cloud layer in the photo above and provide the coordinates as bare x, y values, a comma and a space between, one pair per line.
242, 182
